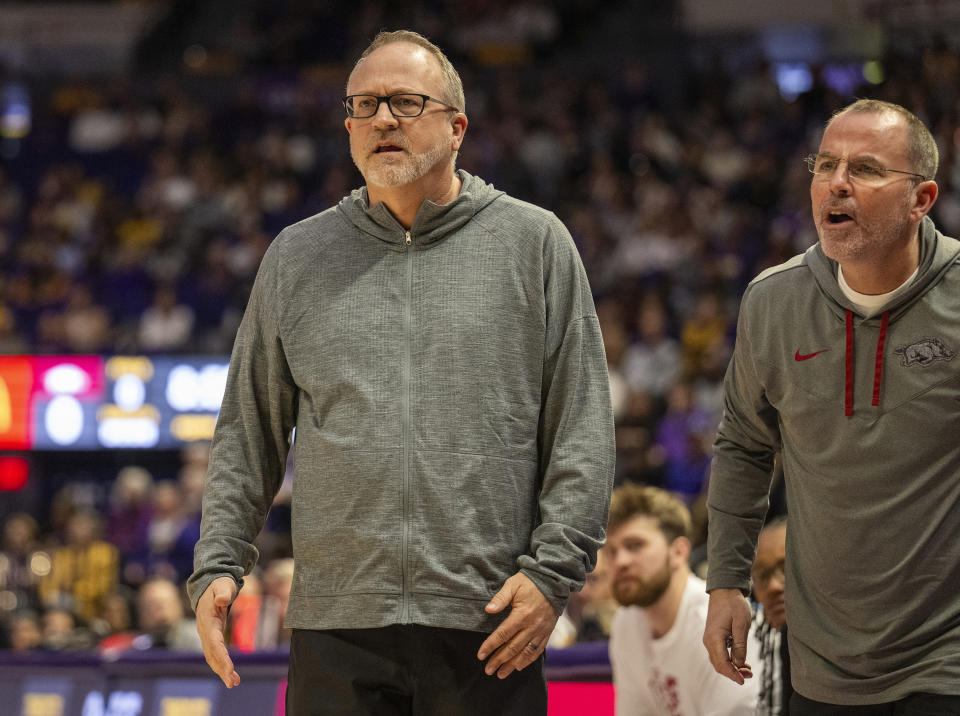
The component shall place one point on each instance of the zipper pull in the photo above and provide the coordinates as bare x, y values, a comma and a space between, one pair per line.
407, 240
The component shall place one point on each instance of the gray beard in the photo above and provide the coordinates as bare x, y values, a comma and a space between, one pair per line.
407, 171
867, 239
865, 242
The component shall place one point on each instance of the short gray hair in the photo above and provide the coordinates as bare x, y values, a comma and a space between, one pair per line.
921, 146
452, 84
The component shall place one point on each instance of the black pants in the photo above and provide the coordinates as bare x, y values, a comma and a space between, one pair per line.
404, 669
913, 705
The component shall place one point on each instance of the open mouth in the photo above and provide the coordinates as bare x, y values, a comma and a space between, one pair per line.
383, 148
838, 217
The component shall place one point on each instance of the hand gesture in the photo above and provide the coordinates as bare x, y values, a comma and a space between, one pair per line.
211, 621
523, 635
725, 634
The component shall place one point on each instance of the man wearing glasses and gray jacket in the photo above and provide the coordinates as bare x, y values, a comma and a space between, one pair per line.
435, 344
846, 360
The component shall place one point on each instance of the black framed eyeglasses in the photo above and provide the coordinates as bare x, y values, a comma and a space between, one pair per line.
404, 104
862, 171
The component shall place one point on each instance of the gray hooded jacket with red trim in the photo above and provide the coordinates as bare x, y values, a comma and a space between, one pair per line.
866, 413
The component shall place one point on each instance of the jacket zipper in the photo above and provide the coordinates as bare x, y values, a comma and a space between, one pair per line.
405, 432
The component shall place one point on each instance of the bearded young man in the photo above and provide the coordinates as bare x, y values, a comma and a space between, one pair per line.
435, 344
845, 360
659, 665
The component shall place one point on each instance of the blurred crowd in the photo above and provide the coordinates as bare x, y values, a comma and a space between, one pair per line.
107, 571
134, 214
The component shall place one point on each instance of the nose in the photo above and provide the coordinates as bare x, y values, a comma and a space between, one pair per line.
384, 117
840, 179
777, 581
620, 559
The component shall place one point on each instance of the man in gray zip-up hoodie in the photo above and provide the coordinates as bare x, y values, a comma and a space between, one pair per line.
435, 345
845, 360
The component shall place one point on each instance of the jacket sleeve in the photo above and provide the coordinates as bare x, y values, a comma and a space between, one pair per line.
742, 467
251, 440
575, 431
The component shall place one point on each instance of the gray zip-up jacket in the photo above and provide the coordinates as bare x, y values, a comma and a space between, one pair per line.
449, 390
867, 414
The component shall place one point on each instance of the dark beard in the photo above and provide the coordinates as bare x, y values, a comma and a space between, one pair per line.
640, 593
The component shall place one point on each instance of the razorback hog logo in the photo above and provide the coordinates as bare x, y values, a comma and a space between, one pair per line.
924, 352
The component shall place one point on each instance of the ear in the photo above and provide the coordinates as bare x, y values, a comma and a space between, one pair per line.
459, 124
924, 197
346, 123
679, 552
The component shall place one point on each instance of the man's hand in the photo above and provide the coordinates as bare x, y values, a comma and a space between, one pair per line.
523, 635
211, 621
725, 634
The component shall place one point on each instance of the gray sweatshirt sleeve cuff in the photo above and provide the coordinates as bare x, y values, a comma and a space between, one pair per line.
556, 593
197, 585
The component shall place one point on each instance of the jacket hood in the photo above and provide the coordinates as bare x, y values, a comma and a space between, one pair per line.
937, 254
432, 223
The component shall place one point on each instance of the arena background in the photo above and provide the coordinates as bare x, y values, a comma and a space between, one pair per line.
150, 151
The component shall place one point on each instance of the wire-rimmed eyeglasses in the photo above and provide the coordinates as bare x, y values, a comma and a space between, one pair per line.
863, 171
403, 104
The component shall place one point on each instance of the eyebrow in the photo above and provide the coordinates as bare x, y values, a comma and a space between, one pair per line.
858, 158
391, 92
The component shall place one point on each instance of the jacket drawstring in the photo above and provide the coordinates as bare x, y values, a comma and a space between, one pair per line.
848, 393
877, 366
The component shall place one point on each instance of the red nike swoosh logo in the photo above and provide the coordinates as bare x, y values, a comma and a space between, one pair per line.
799, 357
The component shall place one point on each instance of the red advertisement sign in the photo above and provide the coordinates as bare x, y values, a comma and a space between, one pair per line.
16, 386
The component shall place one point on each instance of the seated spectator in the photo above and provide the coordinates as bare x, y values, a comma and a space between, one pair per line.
685, 434
277, 581
196, 454
128, 520
191, 478
652, 364
615, 344
11, 340
257, 614
16, 575
212, 292
162, 618
125, 288
84, 570
62, 631
24, 631
86, 324
702, 332
639, 458
589, 613
172, 533
656, 650
166, 325
115, 625
770, 621
598, 606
